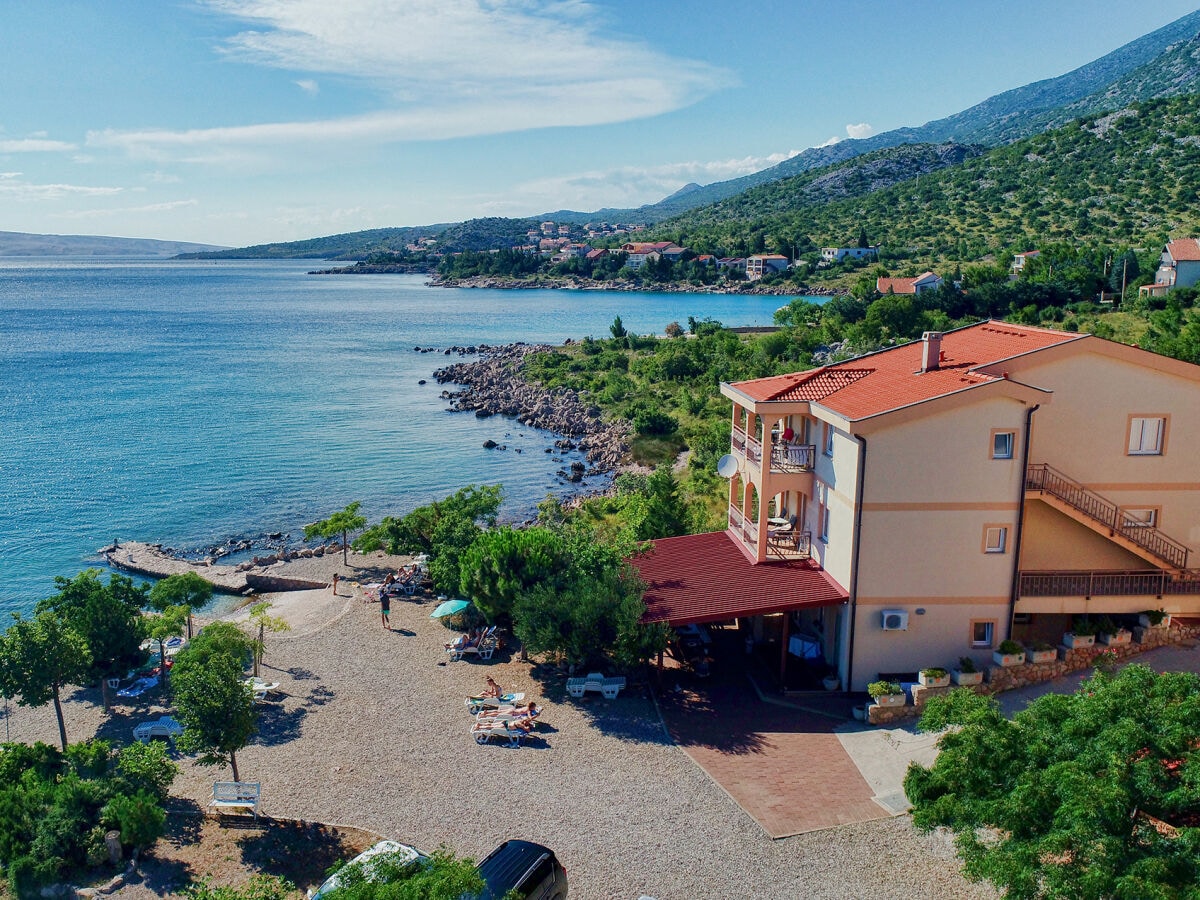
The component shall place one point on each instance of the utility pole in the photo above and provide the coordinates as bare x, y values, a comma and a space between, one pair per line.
1124, 269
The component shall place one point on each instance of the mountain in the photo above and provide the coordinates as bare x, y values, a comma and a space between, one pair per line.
1160, 64
352, 245
1125, 178
18, 243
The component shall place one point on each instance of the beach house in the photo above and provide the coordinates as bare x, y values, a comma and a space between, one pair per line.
927, 281
761, 264
923, 503
1178, 266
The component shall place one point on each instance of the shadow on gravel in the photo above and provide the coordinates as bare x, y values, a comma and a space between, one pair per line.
319, 696
631, 717
277, 725
300, 674
298, 851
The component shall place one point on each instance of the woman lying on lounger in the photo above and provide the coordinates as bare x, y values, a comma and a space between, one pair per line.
517, 713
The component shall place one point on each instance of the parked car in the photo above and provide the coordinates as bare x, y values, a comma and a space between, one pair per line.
529, 869
392, 851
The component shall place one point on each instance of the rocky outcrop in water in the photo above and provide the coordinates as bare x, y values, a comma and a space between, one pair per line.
495, 385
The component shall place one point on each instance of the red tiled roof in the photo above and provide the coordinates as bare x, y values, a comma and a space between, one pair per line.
706, 578
1184, 249
890, 379
896, 285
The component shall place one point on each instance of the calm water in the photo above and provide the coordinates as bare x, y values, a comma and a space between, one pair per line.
189, 402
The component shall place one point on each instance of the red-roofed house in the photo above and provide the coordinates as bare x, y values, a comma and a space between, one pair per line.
762, 264
640, 251
988, 482
925, 282
1179, 266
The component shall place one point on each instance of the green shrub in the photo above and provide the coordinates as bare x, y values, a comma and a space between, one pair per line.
879, 689
1155, 616
145, 767
1010, 648
1083, 627
933, 673
966, 664
140, 819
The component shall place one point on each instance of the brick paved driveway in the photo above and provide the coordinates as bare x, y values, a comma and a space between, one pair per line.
784, 766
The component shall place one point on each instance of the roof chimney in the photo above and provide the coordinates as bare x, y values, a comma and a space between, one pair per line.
931, 350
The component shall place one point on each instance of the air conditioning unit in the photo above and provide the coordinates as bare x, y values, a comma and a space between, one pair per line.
895, 620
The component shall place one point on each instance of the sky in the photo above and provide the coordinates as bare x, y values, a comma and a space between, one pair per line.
238, 122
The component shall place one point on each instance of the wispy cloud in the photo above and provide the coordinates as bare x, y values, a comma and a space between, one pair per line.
12, 187
861, 130
33, 145
309, 86
625, 186
444, 69
126, 210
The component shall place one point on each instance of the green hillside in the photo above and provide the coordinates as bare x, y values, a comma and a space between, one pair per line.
353, 245
1128, 178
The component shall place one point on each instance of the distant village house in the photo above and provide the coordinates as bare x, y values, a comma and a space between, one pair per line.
925, 282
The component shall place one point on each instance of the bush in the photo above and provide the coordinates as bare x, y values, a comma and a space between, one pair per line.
1083, 627
648, 421
879, 689
1010, 648
966, 664
140, 819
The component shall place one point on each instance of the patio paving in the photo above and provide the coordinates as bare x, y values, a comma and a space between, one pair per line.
784, 766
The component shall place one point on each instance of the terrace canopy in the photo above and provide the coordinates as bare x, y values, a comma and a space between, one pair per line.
705, 578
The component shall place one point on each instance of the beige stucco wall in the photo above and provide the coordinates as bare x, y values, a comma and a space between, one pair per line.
1085, 432
1055, 542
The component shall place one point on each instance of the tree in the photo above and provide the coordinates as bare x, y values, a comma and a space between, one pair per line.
186, 589
504, 562
618, 328
264, 623
1091, 795
442, 876
38, 657
342, 522
215, 707
160, 627
107, 617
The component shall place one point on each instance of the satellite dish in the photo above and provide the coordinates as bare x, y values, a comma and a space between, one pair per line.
727, 466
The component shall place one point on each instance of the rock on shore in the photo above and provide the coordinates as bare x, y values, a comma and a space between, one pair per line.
495, 385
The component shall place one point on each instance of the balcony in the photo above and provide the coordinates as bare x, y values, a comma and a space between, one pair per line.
793, 457
781, 545
746, 446
1109, 584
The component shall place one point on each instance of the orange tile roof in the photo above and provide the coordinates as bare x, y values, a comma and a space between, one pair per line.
890, 379
896, 285
1184, 249
706, 578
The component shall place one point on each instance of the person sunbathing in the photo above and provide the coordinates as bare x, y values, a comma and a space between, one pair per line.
492, 689
520, 713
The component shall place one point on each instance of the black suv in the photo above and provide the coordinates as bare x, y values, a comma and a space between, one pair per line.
525, 867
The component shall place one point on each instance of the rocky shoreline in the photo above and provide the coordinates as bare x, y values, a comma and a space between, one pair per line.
494, 385
574, 283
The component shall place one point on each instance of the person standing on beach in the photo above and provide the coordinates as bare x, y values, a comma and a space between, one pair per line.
385, 607
335, 581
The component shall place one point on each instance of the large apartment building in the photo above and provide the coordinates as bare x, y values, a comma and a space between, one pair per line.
920, 504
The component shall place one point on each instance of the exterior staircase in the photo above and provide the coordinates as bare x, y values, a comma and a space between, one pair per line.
1104, 516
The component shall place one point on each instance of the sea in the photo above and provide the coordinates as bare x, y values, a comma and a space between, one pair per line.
194, 403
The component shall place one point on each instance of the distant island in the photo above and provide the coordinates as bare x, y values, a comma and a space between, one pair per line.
19, 243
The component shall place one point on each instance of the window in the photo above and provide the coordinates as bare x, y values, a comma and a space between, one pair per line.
982, 634
1139, 518
1146, 435
828, 439
1002, 444
995, 539
825, 523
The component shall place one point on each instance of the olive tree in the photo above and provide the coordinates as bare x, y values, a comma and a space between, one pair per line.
185, 589
38, 657
341, 522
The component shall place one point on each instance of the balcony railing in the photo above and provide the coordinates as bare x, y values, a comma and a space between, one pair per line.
753, 449
796, 545
1041, 477
1109, 584
793, 457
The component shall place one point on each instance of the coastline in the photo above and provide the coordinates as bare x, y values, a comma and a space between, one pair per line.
575, 283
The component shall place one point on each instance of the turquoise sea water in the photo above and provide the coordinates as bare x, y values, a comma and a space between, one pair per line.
191, 402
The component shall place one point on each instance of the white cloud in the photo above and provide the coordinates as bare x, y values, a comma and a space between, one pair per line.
443, 68
126, 210
861, 130
829, 143
12, 187
309, 86
626, 186
34, 145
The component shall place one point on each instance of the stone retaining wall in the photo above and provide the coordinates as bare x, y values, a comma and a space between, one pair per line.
1007, 678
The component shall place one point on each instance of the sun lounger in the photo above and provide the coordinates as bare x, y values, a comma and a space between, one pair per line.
508, 714
163, 727
475, 704
485, 731
139, 687
595, 681
484, 647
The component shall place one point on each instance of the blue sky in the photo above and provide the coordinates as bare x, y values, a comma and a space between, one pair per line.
249, 121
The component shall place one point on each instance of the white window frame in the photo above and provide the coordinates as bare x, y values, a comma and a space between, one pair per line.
1146, 434
827, 449
997, 451
825, 522
989, 630
1000, 543
1139, 517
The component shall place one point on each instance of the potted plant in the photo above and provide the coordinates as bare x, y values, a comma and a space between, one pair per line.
966, 673
1009, 653
1153, 618
831, 682
1041, 652
886, 693
1112, 633
1082, 634
934, 677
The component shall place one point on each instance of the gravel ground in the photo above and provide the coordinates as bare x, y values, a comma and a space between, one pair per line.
371, 731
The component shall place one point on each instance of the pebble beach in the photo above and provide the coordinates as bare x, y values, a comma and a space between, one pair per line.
369, 729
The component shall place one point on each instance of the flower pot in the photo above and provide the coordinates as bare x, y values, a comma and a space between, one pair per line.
1120, 637
943, 681
1008, 659
831, 682
891, 700
1042, 656
1074, 641
860, 712
967, 678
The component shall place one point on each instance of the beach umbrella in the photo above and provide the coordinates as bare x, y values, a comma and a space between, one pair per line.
449, 608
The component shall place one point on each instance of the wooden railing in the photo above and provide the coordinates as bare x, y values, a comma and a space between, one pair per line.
1041, 477
1108, 584
793, 457
795, 545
